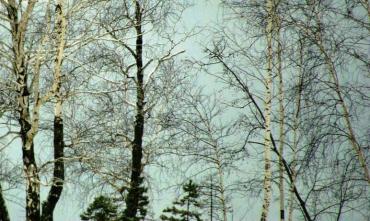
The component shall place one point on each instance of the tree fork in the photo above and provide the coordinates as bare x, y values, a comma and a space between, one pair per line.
59, 172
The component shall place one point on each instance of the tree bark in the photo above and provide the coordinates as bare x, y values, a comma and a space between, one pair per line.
134, 193
4, 215
267, 113
295, 130
274, 146
337, 89
281, 120
58, 174
28, 126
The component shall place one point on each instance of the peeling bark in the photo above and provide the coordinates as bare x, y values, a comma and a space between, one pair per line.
281, 119
58, 174
28, 125
267, 113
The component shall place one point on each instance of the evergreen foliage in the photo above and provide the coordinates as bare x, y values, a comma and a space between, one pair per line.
102, 209
105, 209
187, 207
142, 205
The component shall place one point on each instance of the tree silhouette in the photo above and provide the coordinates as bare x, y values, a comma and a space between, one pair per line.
185, 208
103, 208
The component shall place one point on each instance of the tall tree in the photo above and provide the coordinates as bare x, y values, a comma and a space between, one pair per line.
58, 174
270, 29
209, 142
279, 51
139, 75
27, 66
132, 201
319, 41
29, 123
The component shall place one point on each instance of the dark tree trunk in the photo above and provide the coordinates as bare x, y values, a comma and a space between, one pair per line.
29, 162
4, 216
18, 27
134, 193
58, 176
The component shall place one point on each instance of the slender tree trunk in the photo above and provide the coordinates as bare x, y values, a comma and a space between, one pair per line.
28, 126
337, 88
222, 197
267, 113
281, 119
221, 183
211, 216
30, 170
295, 131
352, 137
28, 155
58, 174
287, 168
4, 215
134, 194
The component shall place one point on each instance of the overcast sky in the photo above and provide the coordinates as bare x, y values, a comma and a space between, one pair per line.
70, 206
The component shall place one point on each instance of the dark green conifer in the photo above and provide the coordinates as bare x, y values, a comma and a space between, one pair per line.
102, 209
187, 207
142, 204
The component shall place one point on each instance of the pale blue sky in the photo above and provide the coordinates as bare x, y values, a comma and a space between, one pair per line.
203, 13
72, 201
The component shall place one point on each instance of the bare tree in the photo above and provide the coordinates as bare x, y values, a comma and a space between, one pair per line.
209, 142
58, 174
285, 107
122, 97
18, 28
26, 67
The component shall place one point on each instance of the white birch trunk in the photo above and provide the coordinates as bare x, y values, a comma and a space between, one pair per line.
295, 133
281, 122
267, 114
337, 88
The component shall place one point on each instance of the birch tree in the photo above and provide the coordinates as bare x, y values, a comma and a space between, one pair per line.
206, 141
18, 28
319, 41
26, 67
279, 71
270, 6
285, 108
125, 95
58, 174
